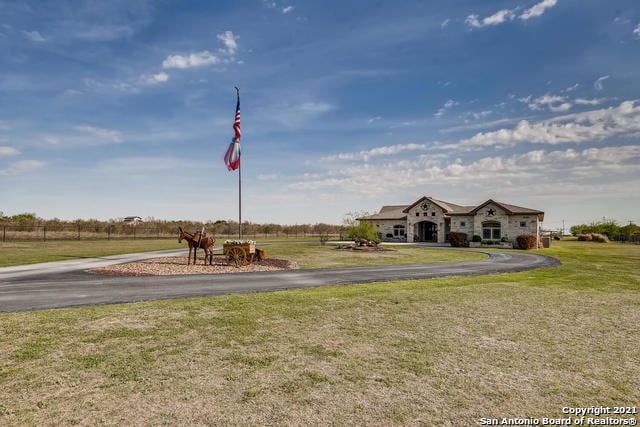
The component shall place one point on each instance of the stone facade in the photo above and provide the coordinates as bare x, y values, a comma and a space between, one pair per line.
431, 220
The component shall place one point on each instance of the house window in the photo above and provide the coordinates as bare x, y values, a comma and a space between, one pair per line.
433, 214
523, 223
417, 213
425, 214
463, 224
398, 230
491, 230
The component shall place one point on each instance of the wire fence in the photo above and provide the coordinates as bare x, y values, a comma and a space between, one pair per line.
20, 233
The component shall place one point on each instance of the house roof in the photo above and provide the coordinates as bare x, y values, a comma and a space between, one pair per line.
511, 209
400, 211
445, 206
389, 212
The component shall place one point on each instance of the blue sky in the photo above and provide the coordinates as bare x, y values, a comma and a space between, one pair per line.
119, 108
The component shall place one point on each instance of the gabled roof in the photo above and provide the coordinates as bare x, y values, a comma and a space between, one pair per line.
445, 206
510, 209
400, 211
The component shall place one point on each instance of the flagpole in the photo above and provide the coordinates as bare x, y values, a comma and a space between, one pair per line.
240, 200
239, 185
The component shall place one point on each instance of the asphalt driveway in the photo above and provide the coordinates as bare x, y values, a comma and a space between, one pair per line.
70, 284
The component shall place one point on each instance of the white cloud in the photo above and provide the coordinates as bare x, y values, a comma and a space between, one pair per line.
447, 106
288, 9
553, 102
374, 119
155, 78
445, 23
595, 125
636, 31
505, 15
102, 135
200, 59
483, 125
499, 17
229, 40
572, 88
481, 114
34, 36
597, 85
584, 101
8, 151
536, 170
374, 152
537, 10
558, 103
190, 61
22, 166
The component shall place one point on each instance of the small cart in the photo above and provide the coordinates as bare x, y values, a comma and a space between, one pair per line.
239, 253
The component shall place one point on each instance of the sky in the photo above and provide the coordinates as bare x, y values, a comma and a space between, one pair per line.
120, 108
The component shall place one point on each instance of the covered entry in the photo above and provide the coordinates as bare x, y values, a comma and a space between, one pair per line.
426, 231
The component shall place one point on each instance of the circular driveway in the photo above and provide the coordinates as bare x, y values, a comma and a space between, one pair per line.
69, 284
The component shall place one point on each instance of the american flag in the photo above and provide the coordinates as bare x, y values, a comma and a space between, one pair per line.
232, 156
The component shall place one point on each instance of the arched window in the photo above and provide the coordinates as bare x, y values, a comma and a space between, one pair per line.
491, 230
398, 230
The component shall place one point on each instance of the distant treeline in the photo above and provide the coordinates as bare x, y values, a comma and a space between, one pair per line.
151, 227
610, 228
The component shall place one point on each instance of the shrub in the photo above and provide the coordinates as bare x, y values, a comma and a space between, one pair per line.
526, 241
457, 240
595, 237
363, 230
600, 238
476, 239
505, 239
356, 229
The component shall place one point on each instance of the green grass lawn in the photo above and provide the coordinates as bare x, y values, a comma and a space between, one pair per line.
425, 352
318, 256
18, 253
308, 255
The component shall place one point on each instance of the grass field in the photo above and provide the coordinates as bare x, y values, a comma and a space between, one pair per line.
18, 253
432, 352
308, 256
317, 256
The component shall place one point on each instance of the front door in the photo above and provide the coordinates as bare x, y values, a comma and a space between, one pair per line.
427, 231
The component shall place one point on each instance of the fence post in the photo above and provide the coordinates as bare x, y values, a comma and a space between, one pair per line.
78, 231
109, 232
4, 233
44, 233
134, 232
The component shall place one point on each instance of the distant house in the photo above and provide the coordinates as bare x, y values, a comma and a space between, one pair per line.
132, 219
430, 220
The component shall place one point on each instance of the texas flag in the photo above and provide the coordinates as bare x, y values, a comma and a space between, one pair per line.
232, 156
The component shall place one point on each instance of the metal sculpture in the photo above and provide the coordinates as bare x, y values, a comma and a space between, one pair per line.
199, 239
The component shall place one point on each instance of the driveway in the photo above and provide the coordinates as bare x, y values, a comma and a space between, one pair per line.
69, 284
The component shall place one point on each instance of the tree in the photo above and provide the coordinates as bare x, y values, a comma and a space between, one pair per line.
357, 228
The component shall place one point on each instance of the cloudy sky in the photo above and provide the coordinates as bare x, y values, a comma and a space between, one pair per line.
110, 109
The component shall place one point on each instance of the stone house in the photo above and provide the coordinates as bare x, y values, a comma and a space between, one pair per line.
430, 220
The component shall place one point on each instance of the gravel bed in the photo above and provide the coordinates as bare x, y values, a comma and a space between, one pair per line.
178, 266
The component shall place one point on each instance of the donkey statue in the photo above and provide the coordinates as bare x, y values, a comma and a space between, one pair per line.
197, 240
